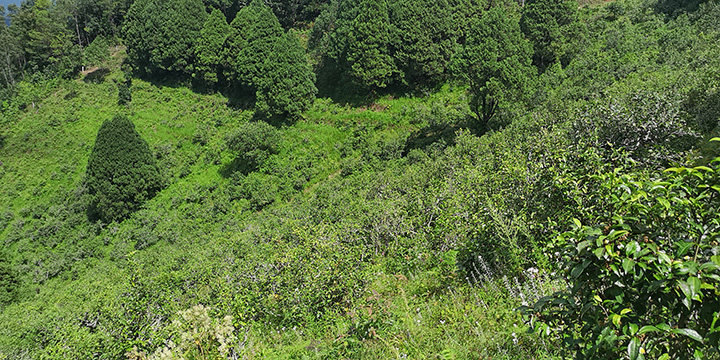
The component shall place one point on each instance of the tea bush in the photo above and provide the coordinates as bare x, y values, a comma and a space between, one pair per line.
644, 282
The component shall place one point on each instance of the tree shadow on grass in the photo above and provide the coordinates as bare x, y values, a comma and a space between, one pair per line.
239, 165
423, 138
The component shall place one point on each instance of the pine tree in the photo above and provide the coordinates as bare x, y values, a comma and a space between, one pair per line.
426, 39
121, 172
287, 86
495, 61
254, 33
547, 23
211, 47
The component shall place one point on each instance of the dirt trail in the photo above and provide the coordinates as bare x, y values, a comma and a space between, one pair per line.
89, 70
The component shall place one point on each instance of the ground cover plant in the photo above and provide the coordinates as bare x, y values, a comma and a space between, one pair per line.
389, 208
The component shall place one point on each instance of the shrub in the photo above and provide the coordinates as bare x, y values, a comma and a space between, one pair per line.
646, 124
8, 281
254, 142
646, 282
198, 336
124, 93
121, 172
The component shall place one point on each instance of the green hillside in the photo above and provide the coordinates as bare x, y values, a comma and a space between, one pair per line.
503, 190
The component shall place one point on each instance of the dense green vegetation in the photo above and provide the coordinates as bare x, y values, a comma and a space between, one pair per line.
356, 179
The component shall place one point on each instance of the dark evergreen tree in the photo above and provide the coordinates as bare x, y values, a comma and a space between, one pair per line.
161, 34
426, 39
547, 23
495, 61
287, 86
270, 63
254, 33
369, 44
210, 49
121, 172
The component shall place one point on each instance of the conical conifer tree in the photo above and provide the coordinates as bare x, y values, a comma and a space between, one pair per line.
287, 86
210, 49
254, 33
369, 41
121, 172
270, 62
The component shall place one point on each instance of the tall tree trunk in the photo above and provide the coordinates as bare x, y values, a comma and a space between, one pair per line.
77, 29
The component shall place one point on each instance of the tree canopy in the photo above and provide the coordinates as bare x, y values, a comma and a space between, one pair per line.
161, 35
287, 86
255, 31
547, 24
210, 50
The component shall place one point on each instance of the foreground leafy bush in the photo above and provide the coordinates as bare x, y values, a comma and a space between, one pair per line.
644, 283
121, 171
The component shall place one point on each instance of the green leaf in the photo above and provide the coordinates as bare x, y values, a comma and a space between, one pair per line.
683, 248
664, 357
709, 267
689, 333
628, 264
616, 319
579, 269
698, 355
646, 329
663, 326
609, 250
633, 349
704, 168
706, 286
685, 288
664, 203
577, 223
625, 311
664, 258
715, 139
583, 245
716, 259
695, 286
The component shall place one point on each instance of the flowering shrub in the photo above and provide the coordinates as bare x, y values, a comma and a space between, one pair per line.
199, 337
645, 283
